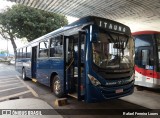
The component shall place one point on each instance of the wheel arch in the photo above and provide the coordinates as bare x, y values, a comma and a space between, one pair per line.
23, 71
53, 74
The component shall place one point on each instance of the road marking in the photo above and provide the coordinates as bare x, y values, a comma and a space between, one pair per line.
10, 84
10, 76
14, 95
31, 90
11, 88
1, 80
8, 81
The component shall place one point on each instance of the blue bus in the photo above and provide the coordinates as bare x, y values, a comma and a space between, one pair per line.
90, 59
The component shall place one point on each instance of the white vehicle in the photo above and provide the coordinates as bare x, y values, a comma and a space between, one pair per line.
12, 61
147, 59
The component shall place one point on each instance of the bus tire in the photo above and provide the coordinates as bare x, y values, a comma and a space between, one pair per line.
57, 86
24, 74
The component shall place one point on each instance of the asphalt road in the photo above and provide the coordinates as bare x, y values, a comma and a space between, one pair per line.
13, 87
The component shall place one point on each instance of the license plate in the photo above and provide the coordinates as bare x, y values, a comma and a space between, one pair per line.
119, 90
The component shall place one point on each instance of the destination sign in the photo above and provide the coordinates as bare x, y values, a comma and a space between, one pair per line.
113, 26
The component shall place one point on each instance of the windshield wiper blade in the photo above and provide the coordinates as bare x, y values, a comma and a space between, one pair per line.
111, 37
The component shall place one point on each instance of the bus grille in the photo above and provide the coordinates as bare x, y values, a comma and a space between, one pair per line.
109, 92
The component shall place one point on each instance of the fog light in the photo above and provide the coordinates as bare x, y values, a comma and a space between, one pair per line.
93, 80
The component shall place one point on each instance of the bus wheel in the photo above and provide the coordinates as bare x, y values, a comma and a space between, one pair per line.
57, 86
24, 74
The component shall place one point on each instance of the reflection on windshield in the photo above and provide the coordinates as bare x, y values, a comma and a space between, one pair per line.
111, 51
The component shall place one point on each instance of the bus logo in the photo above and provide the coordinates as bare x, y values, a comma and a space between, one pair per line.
112, 26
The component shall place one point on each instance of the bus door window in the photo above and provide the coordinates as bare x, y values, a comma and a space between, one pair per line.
24, 52
28, 55
76, 55
147, 59
34, 62
72, 63
70, 50
81, 75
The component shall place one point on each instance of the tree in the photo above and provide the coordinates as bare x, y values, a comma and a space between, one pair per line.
6, 32
22, 21
3, 52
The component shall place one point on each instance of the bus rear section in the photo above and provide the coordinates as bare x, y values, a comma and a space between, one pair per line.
147, 59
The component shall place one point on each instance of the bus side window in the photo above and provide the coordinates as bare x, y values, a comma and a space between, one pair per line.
52, 47
43, 49
56, 47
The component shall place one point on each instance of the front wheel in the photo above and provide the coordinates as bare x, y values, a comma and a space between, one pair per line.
57, 87
24, 74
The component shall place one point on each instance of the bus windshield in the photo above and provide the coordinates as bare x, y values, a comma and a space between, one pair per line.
111, 51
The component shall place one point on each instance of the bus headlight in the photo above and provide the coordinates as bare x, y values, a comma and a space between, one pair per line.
93, 80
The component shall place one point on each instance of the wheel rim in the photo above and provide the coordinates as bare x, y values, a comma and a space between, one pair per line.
23, 74
57, 87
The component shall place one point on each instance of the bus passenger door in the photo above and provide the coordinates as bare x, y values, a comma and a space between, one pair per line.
81, 66
34, 62
146, 64
75, 71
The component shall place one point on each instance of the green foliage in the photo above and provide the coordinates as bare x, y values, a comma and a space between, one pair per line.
3, 51
31, 23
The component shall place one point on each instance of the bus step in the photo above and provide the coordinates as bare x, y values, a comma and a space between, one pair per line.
74, 95
34, 80
61, 102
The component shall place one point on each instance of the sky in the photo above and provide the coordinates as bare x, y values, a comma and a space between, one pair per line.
3, 43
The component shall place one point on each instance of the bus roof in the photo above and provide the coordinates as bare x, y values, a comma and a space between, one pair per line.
145, 32
91, 19
106, 24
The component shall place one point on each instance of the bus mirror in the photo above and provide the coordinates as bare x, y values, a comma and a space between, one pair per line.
95, 33
95, 37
